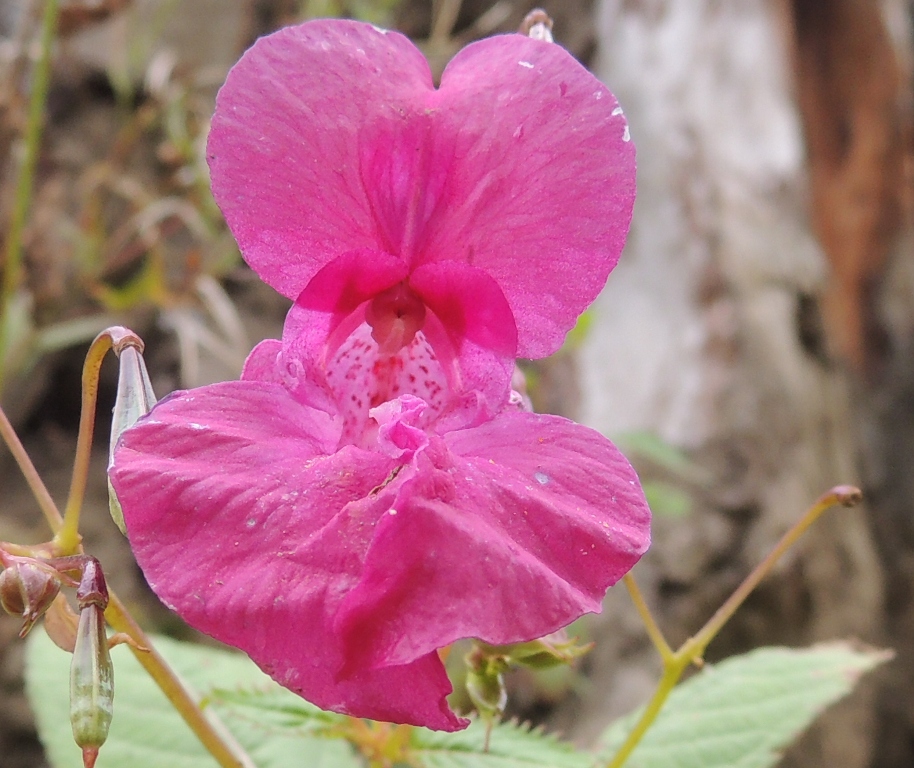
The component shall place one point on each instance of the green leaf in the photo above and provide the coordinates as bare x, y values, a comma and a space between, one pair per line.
738, 714
742, 712
147, 733
510, 746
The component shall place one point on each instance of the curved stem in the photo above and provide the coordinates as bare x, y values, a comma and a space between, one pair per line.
116, 338
692, 651
68, 538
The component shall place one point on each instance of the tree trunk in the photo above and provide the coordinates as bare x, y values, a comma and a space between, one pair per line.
770, 151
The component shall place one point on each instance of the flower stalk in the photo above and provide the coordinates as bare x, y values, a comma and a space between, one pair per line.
692, 651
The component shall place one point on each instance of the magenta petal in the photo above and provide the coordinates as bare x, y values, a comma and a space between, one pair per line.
247, 525
284, 148
506, 532
322, 316
329, 137
475, 315
541, 182
262, 363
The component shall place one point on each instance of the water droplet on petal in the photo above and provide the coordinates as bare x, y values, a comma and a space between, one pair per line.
541, 477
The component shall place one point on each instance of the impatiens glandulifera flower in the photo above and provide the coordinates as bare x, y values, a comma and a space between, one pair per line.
372, 489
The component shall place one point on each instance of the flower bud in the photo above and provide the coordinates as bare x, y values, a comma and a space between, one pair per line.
486, 689
544, 653
135, 398
537, 25
27, 589
485, 681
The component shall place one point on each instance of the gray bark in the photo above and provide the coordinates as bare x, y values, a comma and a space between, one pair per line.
708, 335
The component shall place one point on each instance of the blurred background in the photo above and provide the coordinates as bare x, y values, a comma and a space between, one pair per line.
754, 347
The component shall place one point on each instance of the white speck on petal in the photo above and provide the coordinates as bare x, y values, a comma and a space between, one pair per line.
380, 29
526, 64
626, 136
392, 512
617, 111
541, 477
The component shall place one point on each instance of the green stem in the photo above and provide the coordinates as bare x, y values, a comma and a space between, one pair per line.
12, 265
653, 630
692, 651
672, 671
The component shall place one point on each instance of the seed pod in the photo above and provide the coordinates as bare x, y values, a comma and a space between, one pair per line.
27, 589
91, 671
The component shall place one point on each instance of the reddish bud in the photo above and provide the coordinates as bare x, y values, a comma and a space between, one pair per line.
27, 589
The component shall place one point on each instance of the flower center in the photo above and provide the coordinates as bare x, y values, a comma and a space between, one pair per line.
395, 316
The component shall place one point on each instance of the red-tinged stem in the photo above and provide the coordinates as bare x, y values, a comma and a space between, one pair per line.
90, 755
38, 488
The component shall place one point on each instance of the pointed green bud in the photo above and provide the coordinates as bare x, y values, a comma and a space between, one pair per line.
544, 653
135, 398
91, 671
485, 681
486, 689
27, 589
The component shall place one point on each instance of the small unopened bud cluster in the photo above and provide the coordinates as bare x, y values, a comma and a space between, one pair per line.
27, 589
486, 665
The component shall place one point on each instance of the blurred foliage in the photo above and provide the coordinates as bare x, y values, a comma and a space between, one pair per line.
379, 12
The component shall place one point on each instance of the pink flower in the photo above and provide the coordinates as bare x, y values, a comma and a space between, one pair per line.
372, 490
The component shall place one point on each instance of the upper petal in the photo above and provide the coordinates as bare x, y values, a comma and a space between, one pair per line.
507, 532
330, 137
284, 147
246, 524
541, 180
